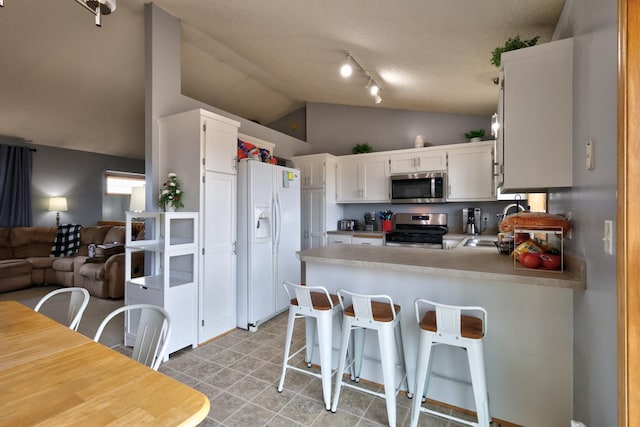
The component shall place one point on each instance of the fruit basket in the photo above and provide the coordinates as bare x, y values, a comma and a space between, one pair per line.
539, 248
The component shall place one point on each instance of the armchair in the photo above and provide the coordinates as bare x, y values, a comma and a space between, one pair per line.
106, 279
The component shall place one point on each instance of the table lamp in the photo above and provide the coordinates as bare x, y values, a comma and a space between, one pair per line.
138, 199
58, 204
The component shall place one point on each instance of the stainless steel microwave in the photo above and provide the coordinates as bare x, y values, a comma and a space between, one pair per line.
426, 187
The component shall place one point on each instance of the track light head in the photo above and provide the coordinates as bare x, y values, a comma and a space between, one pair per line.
346, 70
374, 89
378, 99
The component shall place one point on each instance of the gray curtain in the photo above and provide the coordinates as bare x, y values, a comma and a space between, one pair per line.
15, 186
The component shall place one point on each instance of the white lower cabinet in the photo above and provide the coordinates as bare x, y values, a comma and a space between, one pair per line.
313, 218
338, 239
355, 239
367, 240
470, 172
217, 298
171, 274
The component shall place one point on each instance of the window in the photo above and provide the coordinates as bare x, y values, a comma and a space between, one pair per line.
122, 182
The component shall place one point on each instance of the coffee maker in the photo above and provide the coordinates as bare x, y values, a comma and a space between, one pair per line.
370, 221
471, 220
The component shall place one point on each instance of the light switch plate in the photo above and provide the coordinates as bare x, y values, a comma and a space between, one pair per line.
608, 237
590, 154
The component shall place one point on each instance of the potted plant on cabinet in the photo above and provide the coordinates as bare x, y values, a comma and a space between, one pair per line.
511, 44
474, 135
361, 148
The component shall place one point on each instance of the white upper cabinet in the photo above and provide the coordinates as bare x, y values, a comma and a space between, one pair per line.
220, 145
362, 178
535, 111
470, 172
419, 160
312, 170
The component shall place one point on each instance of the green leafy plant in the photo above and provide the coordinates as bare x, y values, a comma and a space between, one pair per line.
170, 193
511, 44
479, 133
361, 148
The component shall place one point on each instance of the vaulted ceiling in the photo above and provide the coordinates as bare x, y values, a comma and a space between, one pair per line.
67, 83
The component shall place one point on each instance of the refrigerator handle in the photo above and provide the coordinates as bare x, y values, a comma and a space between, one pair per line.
277, 221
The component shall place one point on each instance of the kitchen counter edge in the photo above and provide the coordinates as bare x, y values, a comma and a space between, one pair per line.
467, 264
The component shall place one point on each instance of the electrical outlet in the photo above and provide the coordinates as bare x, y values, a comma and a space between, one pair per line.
485, 217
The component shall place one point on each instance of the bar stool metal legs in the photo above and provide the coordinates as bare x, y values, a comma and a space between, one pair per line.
365, 313
447, 325
318, 307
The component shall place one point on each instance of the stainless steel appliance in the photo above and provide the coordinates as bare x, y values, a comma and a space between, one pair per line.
422, 230
427, 187
471, 218
347, 224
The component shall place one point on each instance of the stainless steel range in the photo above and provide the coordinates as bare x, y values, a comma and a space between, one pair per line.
418, 230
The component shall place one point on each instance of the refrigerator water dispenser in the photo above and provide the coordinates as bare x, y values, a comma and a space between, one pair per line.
263, 224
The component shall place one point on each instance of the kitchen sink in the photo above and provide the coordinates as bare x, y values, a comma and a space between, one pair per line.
475, 243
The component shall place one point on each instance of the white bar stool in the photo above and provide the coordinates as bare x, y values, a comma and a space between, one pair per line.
448, 325
318, 307
382, 316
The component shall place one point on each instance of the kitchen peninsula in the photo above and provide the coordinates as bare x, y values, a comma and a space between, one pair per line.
528, 345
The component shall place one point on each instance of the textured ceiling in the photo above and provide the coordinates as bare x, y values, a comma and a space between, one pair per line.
69, 84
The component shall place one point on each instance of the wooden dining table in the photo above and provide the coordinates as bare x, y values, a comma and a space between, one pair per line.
51, 375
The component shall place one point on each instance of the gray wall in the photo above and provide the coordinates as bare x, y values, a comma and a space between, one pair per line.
78, 176
592, 199
337, 128
293, 124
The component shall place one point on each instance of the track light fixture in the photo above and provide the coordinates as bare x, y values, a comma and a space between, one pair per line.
347, 69
97, 7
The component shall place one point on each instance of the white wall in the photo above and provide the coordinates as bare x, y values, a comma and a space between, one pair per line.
592, 200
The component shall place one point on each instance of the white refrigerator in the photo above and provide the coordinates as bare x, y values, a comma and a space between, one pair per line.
268, 239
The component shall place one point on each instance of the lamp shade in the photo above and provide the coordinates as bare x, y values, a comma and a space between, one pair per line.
58, 204
138, 202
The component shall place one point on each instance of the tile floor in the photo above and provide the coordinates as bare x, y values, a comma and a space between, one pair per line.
239, 372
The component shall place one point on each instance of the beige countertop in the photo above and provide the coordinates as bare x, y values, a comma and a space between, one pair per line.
464, 262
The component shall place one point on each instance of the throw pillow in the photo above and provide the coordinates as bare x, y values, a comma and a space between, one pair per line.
67, 240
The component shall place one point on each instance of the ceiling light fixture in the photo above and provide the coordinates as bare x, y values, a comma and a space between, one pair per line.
372, 86
98, 8
345, 70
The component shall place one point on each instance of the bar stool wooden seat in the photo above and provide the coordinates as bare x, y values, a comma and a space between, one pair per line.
454, 326
318, 307
379, 313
